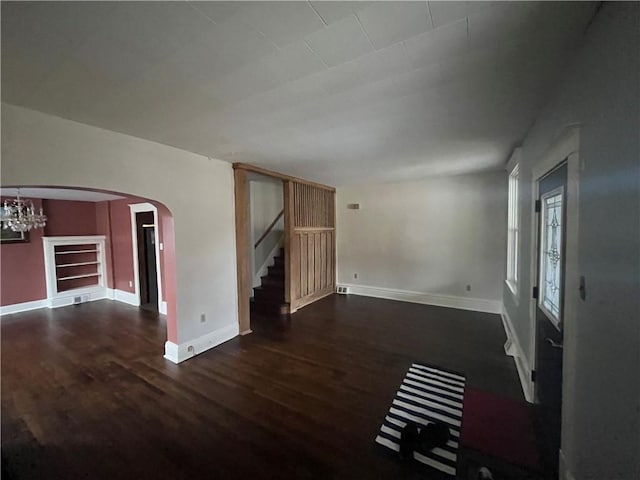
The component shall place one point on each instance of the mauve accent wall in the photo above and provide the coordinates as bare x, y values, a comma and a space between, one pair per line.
67, 217
22, 269
120, 251
121, 247
103, 227
22, 265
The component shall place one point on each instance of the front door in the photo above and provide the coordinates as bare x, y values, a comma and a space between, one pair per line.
551, 208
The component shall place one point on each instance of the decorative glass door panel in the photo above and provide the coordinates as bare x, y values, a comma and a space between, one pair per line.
551, 255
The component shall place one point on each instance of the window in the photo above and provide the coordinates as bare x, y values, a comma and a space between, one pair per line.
513, 232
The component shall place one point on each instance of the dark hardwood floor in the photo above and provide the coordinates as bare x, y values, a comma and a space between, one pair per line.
86, 392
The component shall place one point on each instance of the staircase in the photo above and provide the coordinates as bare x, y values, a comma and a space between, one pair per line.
268, 298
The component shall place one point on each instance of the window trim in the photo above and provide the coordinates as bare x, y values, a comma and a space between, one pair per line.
513, 232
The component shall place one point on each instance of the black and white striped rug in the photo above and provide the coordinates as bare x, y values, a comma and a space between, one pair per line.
427, 394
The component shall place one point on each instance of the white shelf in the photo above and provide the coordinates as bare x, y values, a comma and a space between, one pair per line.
85, 275
58, 264
67, 252
77, 264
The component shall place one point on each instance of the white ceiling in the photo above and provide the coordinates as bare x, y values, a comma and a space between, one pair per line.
59, 194
336, 92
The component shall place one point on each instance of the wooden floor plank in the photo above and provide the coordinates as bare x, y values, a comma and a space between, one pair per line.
86, 392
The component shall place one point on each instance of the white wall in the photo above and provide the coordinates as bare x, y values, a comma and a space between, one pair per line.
599, 91
430, 237
267, 201
39, 149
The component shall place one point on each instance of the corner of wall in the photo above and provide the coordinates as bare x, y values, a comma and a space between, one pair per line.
178, 353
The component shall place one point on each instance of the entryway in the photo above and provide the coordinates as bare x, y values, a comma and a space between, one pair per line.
146, 253
549, 313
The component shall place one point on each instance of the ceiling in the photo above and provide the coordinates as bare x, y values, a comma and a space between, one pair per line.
59, 194
336, 92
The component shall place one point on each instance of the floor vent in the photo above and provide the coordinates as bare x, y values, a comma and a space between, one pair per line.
342, 290
77, 300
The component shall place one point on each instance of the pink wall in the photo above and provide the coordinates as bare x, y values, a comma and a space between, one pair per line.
22, 265
66, 217
22, 269
121, 246
103, 227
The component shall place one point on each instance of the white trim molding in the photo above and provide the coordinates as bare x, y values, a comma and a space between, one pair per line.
24, 306
565, 147
62, 298
462, 303
139, 208
513, 348
177, 353
126, 297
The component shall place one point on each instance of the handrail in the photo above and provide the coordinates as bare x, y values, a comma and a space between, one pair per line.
273, 224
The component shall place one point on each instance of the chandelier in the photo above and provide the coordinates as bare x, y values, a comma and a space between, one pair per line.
20, 215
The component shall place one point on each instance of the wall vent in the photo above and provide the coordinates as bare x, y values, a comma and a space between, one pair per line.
342, 290
77, 300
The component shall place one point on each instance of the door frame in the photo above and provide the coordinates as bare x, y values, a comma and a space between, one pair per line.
136, 208
242, 207
566, 147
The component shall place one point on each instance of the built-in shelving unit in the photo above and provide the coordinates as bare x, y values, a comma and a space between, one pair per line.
75, 269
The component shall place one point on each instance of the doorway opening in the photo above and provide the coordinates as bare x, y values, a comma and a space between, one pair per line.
549, 295
553, 308
146, 246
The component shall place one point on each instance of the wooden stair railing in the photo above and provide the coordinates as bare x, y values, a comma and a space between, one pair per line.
273, 224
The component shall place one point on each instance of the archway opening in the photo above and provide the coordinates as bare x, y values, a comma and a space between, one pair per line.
90, 249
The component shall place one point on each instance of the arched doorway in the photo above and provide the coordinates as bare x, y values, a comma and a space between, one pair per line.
88, 251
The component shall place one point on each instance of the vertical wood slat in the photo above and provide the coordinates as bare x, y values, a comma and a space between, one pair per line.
243, 235
317, 261
312, 251
304, 289
290, 277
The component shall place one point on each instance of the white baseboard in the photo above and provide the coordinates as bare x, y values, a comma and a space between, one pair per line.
513, 348
126, 297
132, 299
24, 307
462, 303
108, 293
180, 352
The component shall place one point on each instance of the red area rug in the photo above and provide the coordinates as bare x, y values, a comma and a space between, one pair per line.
499, 427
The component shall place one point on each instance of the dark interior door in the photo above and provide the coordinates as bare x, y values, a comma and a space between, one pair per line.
147, 268
551, 206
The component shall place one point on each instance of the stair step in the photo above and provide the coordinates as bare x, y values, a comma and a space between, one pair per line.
269, 308
275, 288
272, 281
278, 261
274, 295
276, 271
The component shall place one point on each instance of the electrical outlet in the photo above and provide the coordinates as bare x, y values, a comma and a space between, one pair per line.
130, 283
203, 318
161, 246
355, 275
468, 288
